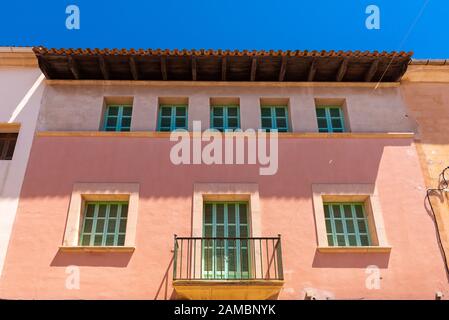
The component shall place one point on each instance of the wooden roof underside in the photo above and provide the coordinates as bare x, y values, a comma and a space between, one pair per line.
210, 65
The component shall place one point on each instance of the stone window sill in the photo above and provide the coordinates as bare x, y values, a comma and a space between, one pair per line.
96, 249
158, 134
371, 249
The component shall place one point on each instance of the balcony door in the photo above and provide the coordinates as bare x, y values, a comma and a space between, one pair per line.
225, 245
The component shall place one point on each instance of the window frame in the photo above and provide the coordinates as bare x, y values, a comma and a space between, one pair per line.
328, 117
225, 117
118, 126
273, 117
355, 221
173, 117
366, 193
92, 234
7, 138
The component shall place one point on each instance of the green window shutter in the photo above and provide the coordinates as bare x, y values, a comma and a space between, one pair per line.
330, 119
225, 118
275, 118
346, 225
104, 224
224, 256
117, 118
172, 117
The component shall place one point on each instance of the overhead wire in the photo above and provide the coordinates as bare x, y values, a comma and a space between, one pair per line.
442, 188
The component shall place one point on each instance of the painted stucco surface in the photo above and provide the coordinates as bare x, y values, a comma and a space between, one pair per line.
19, 104
426, 94
73, 107
35, 268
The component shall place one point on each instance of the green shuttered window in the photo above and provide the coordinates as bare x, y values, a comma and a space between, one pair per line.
172, 117
226, 257
275, 117
225, 118
118, 118
330, 119
104, 224
346, 225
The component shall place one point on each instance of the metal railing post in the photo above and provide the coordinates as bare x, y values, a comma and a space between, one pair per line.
175, 257
279, 256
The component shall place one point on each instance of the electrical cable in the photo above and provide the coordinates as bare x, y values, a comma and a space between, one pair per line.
442, 187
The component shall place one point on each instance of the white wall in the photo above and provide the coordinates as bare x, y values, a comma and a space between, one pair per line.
21, 91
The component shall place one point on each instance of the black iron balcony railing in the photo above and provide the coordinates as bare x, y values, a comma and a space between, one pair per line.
256, 258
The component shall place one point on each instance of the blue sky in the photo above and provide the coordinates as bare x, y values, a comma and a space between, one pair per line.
421, 26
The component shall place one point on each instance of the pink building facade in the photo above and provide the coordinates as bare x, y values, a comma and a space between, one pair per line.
342, 217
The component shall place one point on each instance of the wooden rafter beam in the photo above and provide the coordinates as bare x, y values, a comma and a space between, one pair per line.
372, 71
164, 67
312, 71
342, 70
104, 68
283, 68
44, 66
193, 68
402, 70
223, 68
73, 66
253, 68
133, 67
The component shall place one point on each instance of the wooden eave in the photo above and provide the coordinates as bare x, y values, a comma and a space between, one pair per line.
222, 65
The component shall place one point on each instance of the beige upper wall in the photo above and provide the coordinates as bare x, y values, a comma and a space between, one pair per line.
426, 73
425, 90
75, 106
17, 57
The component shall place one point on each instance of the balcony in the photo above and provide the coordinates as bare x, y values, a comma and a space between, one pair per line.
227, 268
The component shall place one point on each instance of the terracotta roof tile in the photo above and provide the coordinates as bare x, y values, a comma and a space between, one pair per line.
219, 52
147, 64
